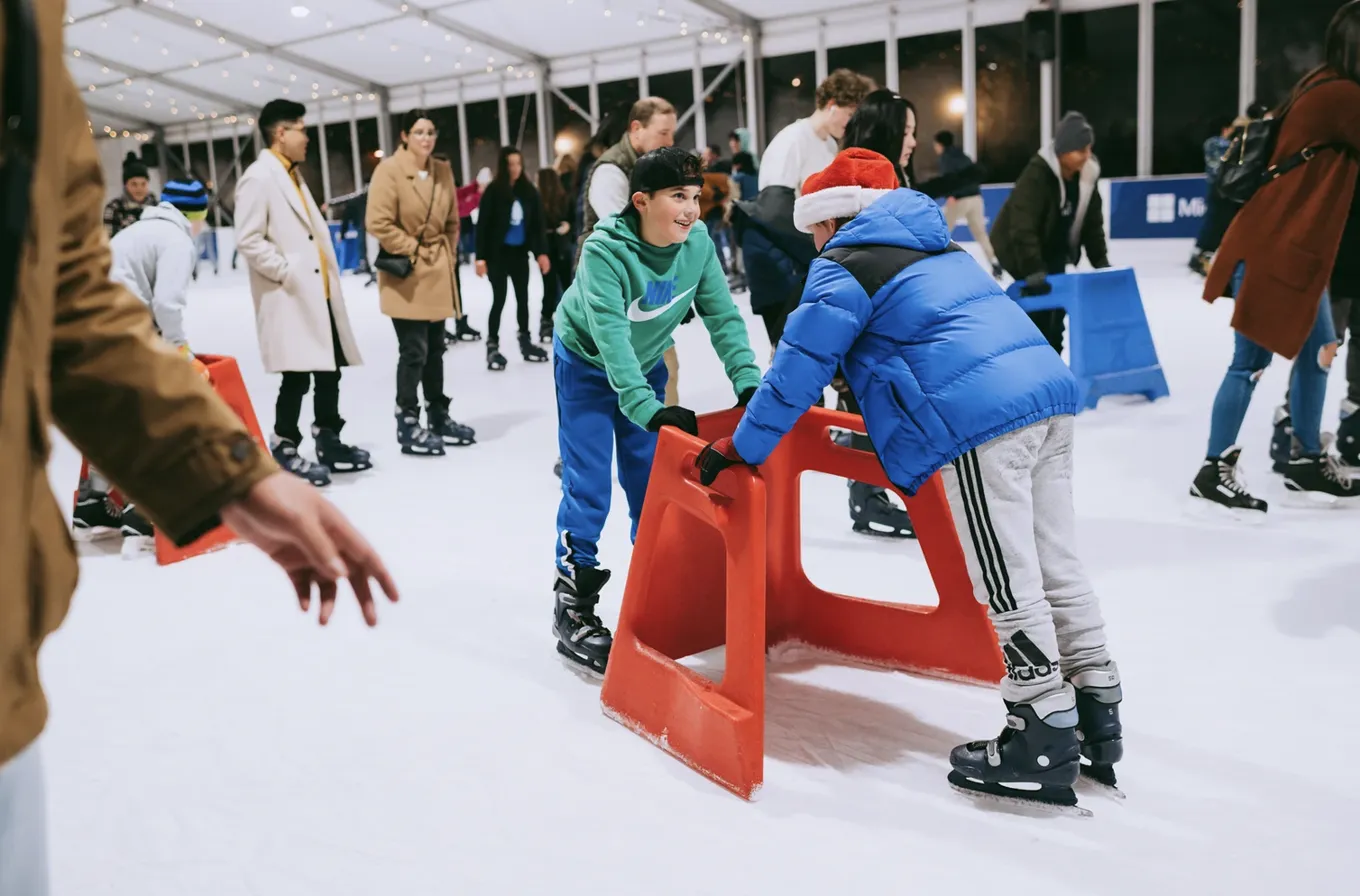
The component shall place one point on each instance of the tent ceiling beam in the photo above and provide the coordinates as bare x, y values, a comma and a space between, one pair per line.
467, 32
230, 102
281, 53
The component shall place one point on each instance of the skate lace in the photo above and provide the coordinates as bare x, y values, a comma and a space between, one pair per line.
1335, 470
1232, 479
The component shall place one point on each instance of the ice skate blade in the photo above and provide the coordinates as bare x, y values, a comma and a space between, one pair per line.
588, 674
1204, 510
868, 529
1013, 799
1098, 779
1297, 499
138, 546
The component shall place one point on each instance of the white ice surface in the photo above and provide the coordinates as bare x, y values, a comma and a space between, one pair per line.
208, 739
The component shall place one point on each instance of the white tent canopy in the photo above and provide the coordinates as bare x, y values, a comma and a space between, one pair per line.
171, 64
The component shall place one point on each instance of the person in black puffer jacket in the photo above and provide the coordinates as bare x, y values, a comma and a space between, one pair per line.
509, 230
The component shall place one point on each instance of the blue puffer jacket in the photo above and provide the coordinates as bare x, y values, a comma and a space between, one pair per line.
939, 358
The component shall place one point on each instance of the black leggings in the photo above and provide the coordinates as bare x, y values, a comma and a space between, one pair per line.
514, 266
558, 278
420, 363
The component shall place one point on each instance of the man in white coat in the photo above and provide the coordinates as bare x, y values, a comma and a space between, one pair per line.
300, 313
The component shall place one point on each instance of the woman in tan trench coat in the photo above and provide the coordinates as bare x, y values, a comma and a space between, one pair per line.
413, 213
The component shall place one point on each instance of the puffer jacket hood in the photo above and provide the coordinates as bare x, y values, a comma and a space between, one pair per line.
939, 358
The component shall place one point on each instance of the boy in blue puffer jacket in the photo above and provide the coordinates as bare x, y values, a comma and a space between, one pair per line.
952, 376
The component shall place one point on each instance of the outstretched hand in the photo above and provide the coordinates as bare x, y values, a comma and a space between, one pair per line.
313, 542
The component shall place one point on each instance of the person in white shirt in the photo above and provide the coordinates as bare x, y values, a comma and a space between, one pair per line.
810, 144
775, 253
651, 125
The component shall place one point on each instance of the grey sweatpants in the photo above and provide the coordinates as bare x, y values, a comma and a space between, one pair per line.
1012, 504
23, 826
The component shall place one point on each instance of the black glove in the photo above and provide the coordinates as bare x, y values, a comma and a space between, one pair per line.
680, 418
716, 457
689, 316
1036, 285
746, 395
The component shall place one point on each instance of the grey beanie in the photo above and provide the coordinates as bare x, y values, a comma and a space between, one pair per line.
1073, 133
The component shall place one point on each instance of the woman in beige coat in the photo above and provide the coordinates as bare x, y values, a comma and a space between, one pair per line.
413, 213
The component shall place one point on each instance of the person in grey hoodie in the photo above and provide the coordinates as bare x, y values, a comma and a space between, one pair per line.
154, 258
1054, 212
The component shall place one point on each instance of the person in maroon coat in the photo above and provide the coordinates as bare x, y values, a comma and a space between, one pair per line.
1275, 260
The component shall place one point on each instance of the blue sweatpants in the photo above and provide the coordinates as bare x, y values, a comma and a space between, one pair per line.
589, 425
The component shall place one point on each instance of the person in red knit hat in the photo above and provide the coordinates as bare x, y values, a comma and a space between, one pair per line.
952, 377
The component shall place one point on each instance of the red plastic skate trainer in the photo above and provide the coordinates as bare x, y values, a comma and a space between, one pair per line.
225, 376
723, 565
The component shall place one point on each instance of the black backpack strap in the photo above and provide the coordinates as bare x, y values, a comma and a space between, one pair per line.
1286, 165
873, 266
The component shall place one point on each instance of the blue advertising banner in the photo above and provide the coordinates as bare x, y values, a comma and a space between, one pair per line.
993, 197
1163, 207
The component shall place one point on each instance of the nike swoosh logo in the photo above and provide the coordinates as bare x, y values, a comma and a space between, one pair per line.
637, 315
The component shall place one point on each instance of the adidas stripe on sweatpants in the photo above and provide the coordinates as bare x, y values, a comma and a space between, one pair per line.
1012, 504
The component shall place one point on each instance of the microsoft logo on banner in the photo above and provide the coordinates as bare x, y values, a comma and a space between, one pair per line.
1161, 208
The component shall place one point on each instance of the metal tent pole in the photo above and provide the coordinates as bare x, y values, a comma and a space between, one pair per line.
970, 111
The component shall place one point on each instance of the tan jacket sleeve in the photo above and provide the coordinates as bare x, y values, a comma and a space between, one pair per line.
381, 218
121, 395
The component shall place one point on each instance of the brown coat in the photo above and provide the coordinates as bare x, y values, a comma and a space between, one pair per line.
84, 355
1289, 232
402, 219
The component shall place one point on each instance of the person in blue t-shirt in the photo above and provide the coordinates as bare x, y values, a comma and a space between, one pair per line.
509, 230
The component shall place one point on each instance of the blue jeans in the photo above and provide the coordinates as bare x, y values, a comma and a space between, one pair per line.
1307, 389
589, 425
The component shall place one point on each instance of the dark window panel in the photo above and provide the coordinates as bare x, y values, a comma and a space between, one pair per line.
1196, 50
1100, 80
678, 89
870, 60
790, 91
1289, 36
931, 73
1008, 102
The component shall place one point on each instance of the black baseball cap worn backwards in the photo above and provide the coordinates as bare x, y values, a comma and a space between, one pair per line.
663, 169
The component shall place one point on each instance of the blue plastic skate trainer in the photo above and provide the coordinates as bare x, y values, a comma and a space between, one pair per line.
1110, 345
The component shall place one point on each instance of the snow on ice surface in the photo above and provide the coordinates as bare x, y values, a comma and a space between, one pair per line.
206, 738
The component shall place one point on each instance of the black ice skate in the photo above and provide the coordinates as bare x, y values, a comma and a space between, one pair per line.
1348, 433
557, 468
1219, 482
545, 330
581, 637
1283, 446
1099, 694
96, 514
529, 351
874, 513
494, 359
1200, 263
461, 333
1034, 762
450, 430
338, 457
1322, 478
286, 455
416, 439
997, 271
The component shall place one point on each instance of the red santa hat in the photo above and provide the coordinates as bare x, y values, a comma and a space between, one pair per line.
855, 180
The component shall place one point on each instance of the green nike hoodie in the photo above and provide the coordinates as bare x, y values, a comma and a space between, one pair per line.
627, 300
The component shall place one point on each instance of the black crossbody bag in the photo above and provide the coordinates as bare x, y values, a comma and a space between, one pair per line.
401, 266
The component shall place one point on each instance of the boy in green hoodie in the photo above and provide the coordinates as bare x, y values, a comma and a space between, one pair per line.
641, 272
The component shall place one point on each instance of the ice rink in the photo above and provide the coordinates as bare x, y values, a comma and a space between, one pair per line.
206, 738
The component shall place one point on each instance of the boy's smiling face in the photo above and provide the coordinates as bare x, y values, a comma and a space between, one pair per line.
669, 214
